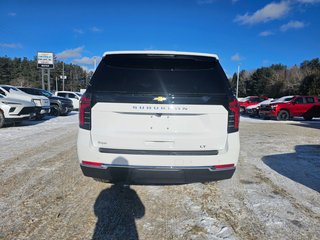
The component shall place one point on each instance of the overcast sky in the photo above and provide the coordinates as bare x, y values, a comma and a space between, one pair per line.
251, 33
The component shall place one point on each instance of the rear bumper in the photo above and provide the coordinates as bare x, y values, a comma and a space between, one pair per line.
156, 175
157, 167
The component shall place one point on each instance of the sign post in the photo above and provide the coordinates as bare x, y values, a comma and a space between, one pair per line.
45, 63
63, 78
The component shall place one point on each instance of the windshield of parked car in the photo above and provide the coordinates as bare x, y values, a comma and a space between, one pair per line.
244, 99
46, 93
1, 96
284, 99
9, 88
266, 101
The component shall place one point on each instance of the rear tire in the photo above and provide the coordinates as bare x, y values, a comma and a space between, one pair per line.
66, 113
55, 111
1, 119
283, 115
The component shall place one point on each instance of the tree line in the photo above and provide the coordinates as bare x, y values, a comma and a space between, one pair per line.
274, 81
279, 80
24, 72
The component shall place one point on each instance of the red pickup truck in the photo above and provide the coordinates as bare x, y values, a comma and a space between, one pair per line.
287, 107
250, 100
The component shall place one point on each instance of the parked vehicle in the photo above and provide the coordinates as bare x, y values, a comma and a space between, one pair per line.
250, 100
42, 103
59, 105
15, 110
287, 107
73, 96
158, 117
253, 110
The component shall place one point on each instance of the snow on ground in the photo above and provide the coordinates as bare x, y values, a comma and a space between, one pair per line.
31, 133
274, 193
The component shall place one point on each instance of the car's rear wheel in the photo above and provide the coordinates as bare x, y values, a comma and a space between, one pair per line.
66, 113
55, 111
1, 119
283, 115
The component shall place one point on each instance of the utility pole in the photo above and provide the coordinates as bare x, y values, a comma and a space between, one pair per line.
56, 83
94, 63
238, 75
62, 76
49, 84
42, 77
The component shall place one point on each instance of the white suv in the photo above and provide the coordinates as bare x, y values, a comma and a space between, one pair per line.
73, 96
14, 110
42, 103
158, 117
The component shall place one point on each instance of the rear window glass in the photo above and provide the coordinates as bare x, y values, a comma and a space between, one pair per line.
310, 99
298, 100
29, 90
62, 94
143, 74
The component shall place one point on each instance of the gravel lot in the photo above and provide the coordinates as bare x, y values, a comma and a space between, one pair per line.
273, 195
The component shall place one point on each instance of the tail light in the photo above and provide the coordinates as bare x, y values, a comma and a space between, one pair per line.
223, 166
85, 112
233, 116
95, 164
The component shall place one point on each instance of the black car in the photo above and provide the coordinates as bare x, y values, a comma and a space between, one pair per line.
59, 105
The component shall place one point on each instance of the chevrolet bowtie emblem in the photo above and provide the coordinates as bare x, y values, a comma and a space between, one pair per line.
160, 99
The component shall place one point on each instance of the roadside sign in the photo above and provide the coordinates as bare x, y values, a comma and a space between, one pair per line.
45, 60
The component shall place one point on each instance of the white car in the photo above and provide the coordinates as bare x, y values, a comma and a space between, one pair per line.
42, 103
253, 110
158, 117
73, 96
14, 110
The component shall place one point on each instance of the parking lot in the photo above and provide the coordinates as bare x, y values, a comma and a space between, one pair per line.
274, 193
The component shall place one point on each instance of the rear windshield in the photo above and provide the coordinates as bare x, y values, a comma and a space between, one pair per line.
154, 74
